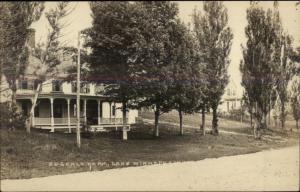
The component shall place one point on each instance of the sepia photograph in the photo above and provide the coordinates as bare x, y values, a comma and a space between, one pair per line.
149, 95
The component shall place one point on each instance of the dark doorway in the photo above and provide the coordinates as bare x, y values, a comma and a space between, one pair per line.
92, 112
25, 108
58, 109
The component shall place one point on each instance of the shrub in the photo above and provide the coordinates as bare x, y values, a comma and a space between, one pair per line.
11, 117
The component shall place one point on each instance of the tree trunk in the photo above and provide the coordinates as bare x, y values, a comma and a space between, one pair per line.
256, 128
297, 126
156, 115
202, 127
275, 119
124, 110
180, 121
282, 116
36, 94
251, 119
13, 96
269, 115
258, 122
264, 121
215, 130
13, 106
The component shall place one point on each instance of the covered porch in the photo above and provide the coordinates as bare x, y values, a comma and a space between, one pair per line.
60, 113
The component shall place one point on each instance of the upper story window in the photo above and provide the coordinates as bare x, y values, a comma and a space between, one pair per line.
74, 87
84, 87
99, 89
28, 84
24, 84
56, 85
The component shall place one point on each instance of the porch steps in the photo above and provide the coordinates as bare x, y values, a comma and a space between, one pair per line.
97, 128
56, 127
108, 127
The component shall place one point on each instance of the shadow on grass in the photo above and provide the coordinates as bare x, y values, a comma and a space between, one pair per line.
28, 155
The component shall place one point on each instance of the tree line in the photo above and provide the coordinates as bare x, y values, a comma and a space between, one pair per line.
155, 60
148, 57
269, 64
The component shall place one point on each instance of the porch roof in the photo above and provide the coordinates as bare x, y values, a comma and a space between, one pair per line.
60, 95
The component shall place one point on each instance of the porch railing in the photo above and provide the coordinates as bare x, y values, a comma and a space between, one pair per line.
73, 121
112, 120
42, 121
57, 121
25, 91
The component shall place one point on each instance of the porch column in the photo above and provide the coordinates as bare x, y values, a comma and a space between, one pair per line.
33, 120
110, 109
110, 120
52, 116
99, 119
69, 120
84, 110
115, 111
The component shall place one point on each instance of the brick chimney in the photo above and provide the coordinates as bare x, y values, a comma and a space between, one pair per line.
31, 38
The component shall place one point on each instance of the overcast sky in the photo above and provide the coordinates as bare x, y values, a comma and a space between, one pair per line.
80, 19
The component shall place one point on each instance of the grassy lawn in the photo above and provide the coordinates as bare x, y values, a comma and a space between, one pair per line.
195, 120
224, 124
27, 156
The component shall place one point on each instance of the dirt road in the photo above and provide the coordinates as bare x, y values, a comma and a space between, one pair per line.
276, 169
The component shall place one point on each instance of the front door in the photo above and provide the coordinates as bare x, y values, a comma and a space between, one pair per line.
92, 112
57, 112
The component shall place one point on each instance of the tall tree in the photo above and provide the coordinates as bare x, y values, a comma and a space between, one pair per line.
48, 53
295, 100
249, 106
203, 104
15, 20
286, 67
112, 39
152, 74
260, 63
185, 89
215, 39
285, 74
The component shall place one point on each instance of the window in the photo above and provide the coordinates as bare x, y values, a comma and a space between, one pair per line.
24, 84
30, 85
74, 87
99, 89
85, 88
56, 85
